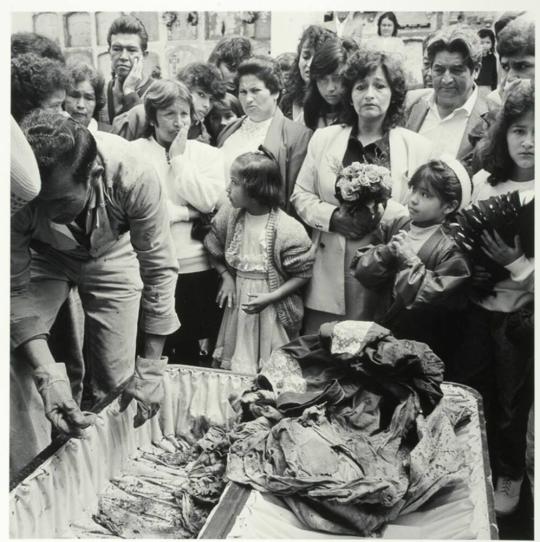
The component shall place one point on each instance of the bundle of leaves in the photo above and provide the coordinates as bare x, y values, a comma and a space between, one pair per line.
504, 214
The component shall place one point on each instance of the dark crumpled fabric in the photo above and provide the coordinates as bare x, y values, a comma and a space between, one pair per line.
365, 440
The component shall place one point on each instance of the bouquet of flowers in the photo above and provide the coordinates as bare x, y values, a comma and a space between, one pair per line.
360, 184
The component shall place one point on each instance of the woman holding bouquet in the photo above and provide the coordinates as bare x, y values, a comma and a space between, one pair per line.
374, 93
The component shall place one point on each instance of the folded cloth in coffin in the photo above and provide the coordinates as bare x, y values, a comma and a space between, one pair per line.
62, 491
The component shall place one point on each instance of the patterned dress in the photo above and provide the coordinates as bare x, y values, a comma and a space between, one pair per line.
245, 340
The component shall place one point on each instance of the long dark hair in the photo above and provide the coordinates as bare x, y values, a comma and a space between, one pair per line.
312, 37
360, 65
388, 15
494, 154
331, 56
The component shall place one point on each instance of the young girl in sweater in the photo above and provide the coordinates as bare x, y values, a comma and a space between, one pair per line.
420, 262
192, 177
495, 359
264, 257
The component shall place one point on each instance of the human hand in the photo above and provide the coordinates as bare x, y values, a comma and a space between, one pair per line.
227, 291
178, 145
400, 247
498, 250
134, 77
146, 387
350, 225
257, 302
60, 407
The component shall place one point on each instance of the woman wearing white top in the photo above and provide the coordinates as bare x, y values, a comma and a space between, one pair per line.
373, 99
259, 88
193, 178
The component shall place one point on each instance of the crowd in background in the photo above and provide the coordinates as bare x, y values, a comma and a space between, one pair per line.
211, 218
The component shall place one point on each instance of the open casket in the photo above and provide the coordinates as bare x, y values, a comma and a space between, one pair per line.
57, 495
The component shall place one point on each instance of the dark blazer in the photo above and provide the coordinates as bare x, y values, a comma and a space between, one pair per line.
418, 110
287, 141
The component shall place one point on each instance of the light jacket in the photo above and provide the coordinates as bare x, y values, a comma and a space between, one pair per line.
314, 200
195, 178
126, 200
287, 141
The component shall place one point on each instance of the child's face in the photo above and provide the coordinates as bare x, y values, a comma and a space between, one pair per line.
202, 102
236, 191
425, 206
520, 141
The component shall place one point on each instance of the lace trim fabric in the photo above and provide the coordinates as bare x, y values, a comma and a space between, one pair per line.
251, 261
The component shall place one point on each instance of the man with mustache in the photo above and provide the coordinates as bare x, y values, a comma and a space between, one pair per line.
128, 47
448, 112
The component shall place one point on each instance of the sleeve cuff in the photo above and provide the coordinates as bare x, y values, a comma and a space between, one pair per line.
27, 329
520, 268
160, 324
324, 214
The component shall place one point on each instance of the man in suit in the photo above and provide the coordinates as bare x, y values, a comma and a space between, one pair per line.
447, 113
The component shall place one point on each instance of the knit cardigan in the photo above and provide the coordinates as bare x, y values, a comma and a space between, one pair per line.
290, 254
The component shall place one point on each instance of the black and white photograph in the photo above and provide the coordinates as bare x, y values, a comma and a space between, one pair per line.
271, 272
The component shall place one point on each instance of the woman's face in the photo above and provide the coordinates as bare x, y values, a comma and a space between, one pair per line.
486, 45
387, 28
81, 102
169, 120
257, 101
53, 102
520, 141
330, 87
304, 61
371, 96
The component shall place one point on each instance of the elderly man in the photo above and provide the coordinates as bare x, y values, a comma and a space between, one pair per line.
128, 47
446, 113
99, 222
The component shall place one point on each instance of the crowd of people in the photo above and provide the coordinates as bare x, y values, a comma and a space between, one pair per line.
215, 216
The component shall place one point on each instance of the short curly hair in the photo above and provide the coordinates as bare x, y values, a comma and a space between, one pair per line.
79, 71
517, 37
31, 42
231, 51
59, 140
457, 39
33, 79
494, 155
363, 63
205, 76
264, 68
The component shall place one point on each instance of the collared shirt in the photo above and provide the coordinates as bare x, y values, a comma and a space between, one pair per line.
448, 132
127, 198
377, 152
